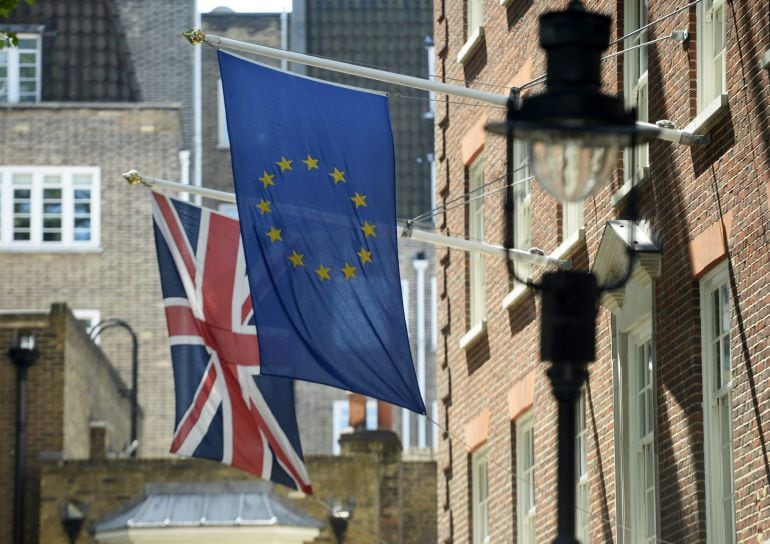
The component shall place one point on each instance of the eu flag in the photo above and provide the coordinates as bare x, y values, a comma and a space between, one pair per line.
315, 183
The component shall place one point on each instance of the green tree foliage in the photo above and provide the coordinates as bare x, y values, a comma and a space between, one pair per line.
9, 39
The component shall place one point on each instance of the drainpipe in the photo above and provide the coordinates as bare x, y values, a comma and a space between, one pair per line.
420, 266
23, 354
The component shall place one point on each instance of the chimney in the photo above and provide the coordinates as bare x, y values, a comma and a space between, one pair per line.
357, 411
98, 440
384, 415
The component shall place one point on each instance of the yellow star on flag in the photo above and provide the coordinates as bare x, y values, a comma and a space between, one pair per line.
264, 206
284, 164
364, 255
338, 176
274, 234
296, 258
311, 163
349, 271
358, 200
267, 179
369, 230
323, 273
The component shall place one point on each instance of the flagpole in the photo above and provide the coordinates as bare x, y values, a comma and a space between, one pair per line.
196, 36
133, 177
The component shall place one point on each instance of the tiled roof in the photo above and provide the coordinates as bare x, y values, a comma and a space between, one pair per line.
386, 34
208, 504
85, 53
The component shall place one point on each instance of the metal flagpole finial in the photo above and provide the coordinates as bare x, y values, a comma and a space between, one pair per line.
133, 177
195, 36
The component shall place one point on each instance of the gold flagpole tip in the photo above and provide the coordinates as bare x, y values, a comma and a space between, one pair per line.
195, 36
133, 177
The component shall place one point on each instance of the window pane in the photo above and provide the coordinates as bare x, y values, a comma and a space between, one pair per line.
81, 179
21, 223
28, 72
53, 236
21, 235
82, 194
85, 223
83, 208
51, 223
82, 236
27, 58
27, 43
21, 207
28, 86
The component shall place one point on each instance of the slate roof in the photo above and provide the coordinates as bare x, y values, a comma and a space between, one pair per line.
206, 505
390, 35
86, 57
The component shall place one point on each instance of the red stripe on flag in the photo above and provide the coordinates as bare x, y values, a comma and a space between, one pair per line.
181, 321
193, 415
180, 239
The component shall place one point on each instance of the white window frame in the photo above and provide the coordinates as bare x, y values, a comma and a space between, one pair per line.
639, 497
480, 495
38, 173
711, 63
223, 137
13, 78
635, 83
474, 29
571, 220
340, 419
582, 491
525, 479
717, 405
522, 200
477, 265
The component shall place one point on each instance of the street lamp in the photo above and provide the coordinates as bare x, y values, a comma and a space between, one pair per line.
23, 354
574, 133
98, 329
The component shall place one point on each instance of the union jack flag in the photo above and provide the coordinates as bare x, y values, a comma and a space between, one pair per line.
225, 410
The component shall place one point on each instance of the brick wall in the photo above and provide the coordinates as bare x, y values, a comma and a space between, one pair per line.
121, 279
70, 385
689, 189
388, 496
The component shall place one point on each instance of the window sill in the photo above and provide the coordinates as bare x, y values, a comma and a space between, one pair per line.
476, 333
473, 43
514, 298
621, 194
708, 117
568, 246
51, 249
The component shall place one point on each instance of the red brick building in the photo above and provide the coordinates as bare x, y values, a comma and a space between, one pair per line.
673, 424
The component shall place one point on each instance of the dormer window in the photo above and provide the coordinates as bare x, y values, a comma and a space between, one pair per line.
20, 69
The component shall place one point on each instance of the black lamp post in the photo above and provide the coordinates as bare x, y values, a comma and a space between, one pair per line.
574, 133
98, 329
23, 354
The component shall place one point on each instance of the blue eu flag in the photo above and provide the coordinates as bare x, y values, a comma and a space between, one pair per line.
315, 183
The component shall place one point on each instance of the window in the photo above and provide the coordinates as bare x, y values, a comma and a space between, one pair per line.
340, 420
230, 210
522, 196
480, 498
525, 480
581, 471
474, 29
571, 220
635, 82
20, 71
710, 51
49, 207
475, 17
639, 495
476, 232
717, 388
223, 135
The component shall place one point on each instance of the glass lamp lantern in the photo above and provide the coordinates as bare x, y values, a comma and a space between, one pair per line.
573, 131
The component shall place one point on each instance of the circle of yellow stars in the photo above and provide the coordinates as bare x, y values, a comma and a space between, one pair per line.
296, 259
